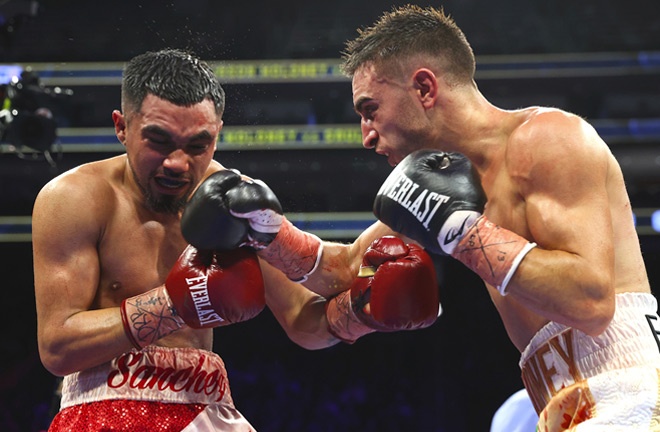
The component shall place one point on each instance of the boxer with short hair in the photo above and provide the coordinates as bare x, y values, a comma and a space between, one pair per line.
532, 200
126, 307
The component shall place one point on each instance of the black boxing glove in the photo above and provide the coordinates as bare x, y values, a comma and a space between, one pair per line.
431, 197
436, 199
228, 211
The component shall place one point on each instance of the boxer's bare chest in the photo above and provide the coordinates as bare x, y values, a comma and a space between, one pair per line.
505, 206
136, 252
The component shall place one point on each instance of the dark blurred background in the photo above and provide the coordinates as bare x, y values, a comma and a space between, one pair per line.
597, 58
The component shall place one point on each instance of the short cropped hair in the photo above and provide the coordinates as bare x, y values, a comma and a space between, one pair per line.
409, 31
174, 75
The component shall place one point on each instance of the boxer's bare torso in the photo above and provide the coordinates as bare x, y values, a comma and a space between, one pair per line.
521, 200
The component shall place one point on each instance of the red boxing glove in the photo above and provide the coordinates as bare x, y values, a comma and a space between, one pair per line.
212, 288
397, 289
204, 289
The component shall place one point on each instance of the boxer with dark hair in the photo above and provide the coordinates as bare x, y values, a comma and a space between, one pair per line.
126, 307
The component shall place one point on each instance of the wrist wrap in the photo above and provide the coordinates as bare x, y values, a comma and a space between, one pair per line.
492, 252
294, 252
343, 323
149, 316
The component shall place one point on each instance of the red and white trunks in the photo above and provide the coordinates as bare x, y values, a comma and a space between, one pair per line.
155, 389
605, 383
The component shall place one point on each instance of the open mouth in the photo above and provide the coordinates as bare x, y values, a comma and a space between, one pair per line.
171, 183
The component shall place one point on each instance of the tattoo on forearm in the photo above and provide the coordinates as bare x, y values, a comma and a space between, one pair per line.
150, 317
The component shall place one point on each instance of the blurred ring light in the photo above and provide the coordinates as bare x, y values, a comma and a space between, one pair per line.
655, 220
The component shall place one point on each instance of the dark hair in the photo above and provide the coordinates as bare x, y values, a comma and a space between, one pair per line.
407, 31
174, 75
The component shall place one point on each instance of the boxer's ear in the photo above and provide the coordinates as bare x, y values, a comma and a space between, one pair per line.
426, 84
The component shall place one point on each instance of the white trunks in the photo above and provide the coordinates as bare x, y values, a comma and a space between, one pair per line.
609, 382
156, 389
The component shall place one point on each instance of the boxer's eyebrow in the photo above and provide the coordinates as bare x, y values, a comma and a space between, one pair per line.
157, 130
360, 103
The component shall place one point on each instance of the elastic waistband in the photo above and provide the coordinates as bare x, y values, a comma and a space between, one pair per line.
176, 375
558, 356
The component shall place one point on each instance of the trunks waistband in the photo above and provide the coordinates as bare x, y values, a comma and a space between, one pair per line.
173, 375
559, 356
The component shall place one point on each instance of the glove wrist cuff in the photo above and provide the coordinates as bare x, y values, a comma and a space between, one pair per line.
294, 252
149, 316
492, 252
343, 323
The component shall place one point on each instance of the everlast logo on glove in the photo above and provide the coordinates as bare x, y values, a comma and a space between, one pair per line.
200, 295
441, 195
421, 204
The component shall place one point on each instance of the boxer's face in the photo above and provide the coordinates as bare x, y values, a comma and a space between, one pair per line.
392, 120
169, 149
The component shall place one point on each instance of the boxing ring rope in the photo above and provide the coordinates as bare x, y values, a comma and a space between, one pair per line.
330, 226
316, 137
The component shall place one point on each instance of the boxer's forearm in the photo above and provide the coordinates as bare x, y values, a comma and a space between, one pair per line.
84, 340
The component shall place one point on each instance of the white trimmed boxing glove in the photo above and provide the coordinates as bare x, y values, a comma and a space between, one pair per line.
204, 289
436, 199
229, 210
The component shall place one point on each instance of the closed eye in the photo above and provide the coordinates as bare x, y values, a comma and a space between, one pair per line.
156, 135
198, 147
